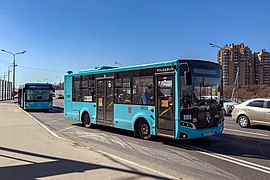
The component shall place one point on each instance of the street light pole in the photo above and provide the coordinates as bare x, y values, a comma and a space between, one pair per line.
214, 45
8, 85
14, 55
5, 84
118, 63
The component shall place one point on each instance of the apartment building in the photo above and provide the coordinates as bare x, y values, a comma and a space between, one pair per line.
261, 63
233, 57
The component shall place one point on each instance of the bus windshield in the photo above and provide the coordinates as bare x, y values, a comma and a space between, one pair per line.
38, 95
206, 85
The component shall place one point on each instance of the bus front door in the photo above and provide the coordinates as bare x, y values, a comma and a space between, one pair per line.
105, 101
165, 104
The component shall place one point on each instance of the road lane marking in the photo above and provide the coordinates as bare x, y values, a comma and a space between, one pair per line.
193, 162
233, 160
53, 121
66, 128
258, 134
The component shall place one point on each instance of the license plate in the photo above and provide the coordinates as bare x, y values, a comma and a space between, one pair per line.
208, 133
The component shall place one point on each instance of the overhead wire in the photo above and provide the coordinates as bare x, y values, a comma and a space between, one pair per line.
40, 69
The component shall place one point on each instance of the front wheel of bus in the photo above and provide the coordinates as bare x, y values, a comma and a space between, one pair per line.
86, 120
144, 129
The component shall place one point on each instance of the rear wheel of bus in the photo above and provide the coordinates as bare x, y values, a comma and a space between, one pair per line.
86, 120
144, 129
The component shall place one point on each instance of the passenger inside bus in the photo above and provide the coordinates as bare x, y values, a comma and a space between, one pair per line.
148, 95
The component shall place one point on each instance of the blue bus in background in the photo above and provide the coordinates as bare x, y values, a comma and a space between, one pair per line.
34, 96
162, 99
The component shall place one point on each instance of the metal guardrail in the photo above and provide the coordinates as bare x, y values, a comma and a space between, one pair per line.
5, 90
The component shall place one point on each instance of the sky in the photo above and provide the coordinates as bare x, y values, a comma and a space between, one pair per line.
61, 35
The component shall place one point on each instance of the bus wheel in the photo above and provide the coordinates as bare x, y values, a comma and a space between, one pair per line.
86, 120
144, 129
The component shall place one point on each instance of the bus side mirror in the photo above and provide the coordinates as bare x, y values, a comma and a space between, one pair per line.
187, 77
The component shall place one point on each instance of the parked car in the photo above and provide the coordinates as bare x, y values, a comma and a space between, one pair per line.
253, 111
59, 96
228, 106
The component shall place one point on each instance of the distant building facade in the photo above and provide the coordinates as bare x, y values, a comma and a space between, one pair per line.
232, 57
254, 68
262, 66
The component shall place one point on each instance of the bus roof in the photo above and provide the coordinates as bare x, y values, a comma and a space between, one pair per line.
107, 69
34, 84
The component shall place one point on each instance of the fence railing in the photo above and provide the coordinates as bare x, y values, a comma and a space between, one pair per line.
5, 90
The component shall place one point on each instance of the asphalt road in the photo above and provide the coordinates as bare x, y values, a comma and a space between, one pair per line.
238, 153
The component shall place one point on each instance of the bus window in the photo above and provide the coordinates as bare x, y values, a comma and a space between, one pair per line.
143, 92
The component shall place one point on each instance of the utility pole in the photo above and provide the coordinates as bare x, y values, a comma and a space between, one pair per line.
14, 65
235, 91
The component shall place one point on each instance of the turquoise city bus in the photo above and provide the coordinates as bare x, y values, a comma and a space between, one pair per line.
162, 99
34, 96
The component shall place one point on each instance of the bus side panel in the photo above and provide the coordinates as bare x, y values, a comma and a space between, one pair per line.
75, 110
68, 97
125, 116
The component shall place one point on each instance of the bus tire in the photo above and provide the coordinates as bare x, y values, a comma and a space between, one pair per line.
144, 129
86, 120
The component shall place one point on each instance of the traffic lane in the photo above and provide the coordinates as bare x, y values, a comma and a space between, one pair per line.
251, 149
154, 154
117, 140
231, 126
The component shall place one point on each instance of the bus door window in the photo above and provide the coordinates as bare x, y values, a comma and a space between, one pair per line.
165, 95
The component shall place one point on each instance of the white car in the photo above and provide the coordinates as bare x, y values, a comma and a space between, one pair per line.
252, 111
228, 106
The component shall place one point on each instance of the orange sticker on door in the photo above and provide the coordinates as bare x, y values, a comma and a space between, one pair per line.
100, 100
164, 103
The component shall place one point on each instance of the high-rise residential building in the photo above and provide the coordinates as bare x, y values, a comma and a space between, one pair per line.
232, 57
261, 63
254, 68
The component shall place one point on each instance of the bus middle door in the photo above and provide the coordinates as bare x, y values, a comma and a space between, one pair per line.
105, 99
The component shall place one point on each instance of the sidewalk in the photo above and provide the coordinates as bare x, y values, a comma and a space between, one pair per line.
28, 151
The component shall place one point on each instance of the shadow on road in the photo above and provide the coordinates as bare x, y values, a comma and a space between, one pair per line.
55, 166
261, 127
